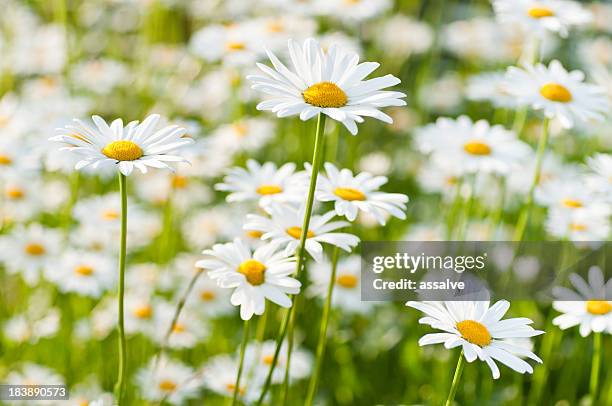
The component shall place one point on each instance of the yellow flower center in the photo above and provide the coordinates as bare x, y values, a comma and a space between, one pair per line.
275, 26
578, 227
254, 271
477, 148
347, 281
296, 232
268, 359
178, 328
179, 182
143, 312
110, 215
84, 402
167, 385
540, 12
231, 387
556, 92
235, 46
474, 332
350, 194
5, 160
254, 234
83, 270
325, 94
123, 150
15, 193
241, 129
598, 307
269, 189
34, 249
571, 203
207, 295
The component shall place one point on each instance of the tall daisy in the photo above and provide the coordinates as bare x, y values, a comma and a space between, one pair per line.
480, 331
136, 145
329, 82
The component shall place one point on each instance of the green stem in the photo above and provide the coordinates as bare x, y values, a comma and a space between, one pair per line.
314, 380
456, 378
524, 216
120, 385
594, 383
316, 165
245, 339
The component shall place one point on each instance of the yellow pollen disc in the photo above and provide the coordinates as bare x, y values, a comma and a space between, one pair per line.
123, 150
477, 148
540, 12
474, 332
15, 193
325, 94
167, 385
578, 227
296, 232
241, 129
143, 312
235, 46
598, 307
267, 359
350, 194
110, 215
347, 281
254, 234
207, 295
269, 189
178, 328
556, 93
276, 26
572, 203
179, 182
34, 249
83, 270
230, 388
5, 160
254, 271
84, 403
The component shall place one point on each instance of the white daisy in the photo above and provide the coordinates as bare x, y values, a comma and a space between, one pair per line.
133, 146
325, 82
472, 147
600, 181
490, 86
261, 354
219, 375
188, 331
589, 306
85, 273
564, 193
246, 134
354, 11
480, 331
558, 93
264, 183
539, 16
254, 276
591, 223
167, 380
353, 193
284, 228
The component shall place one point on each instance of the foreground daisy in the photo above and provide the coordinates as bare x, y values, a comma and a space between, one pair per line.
558, 93
254, 276
540, 16
284, 228
480, 331
353, 193
132, 146
329, 82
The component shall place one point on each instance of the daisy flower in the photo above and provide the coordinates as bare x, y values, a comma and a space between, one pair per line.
353, 193
472, 147
261, 356
490, 86
132, 146
85, 273
540, 16
565, 193
264, 183
329, 82
219, 375
480, 331
591, 223
284, 228
254, 276
588, 306
167, 380
558, 93
247, 134
600, 181
188, 331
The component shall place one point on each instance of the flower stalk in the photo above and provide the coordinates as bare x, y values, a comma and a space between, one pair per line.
456, 378
245, 339
595, 365
120, 385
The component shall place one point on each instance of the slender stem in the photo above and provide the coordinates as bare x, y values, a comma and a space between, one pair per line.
594, 383
456, 379
289, 316
120, 385
524, 216
314, 379
245, 339
179, 309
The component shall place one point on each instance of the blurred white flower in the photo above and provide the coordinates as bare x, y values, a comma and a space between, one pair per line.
167, 379
84, 273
